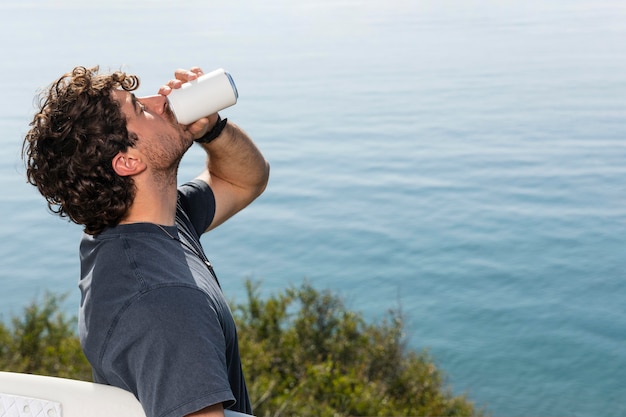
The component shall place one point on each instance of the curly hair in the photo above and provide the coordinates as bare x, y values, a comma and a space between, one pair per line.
69, 149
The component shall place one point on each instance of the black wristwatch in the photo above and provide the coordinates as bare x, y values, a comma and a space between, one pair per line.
214, 132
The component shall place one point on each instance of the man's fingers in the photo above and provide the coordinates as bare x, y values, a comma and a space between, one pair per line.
188, 75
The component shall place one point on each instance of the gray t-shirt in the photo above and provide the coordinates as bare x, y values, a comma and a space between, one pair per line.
153, 319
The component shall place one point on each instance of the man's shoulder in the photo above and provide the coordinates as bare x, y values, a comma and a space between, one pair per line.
130, 258
195, 186
197, 201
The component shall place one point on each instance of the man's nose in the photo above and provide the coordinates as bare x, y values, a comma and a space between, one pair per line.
155, 104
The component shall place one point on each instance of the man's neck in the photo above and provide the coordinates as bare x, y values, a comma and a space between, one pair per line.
154, 202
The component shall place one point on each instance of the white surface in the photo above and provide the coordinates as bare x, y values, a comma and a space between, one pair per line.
76, 398
19, 406
23, 395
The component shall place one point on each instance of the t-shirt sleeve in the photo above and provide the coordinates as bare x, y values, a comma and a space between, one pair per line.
197, 200
176, 364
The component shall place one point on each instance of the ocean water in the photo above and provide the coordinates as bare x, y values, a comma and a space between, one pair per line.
463, 161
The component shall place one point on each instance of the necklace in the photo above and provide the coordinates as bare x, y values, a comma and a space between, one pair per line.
196, 251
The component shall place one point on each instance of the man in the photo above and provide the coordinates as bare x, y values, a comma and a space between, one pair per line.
153, 319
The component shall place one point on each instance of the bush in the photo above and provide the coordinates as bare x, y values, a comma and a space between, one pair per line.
43, 342
305, 354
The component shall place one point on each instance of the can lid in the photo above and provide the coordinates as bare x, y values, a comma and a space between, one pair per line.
232, 84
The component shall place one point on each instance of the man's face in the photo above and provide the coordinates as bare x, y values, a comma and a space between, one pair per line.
160, 138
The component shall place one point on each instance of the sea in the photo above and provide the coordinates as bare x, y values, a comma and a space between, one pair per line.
463, 162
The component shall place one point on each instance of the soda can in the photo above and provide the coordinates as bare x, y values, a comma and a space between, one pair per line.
208, 94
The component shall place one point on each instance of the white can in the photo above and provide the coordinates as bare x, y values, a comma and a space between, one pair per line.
203, 96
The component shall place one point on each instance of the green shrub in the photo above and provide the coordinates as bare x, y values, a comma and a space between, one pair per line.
305, 354
43, 342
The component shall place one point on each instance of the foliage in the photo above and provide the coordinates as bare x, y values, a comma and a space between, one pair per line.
305, 354
43, 342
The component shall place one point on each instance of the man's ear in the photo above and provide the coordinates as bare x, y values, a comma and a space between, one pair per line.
125, 164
